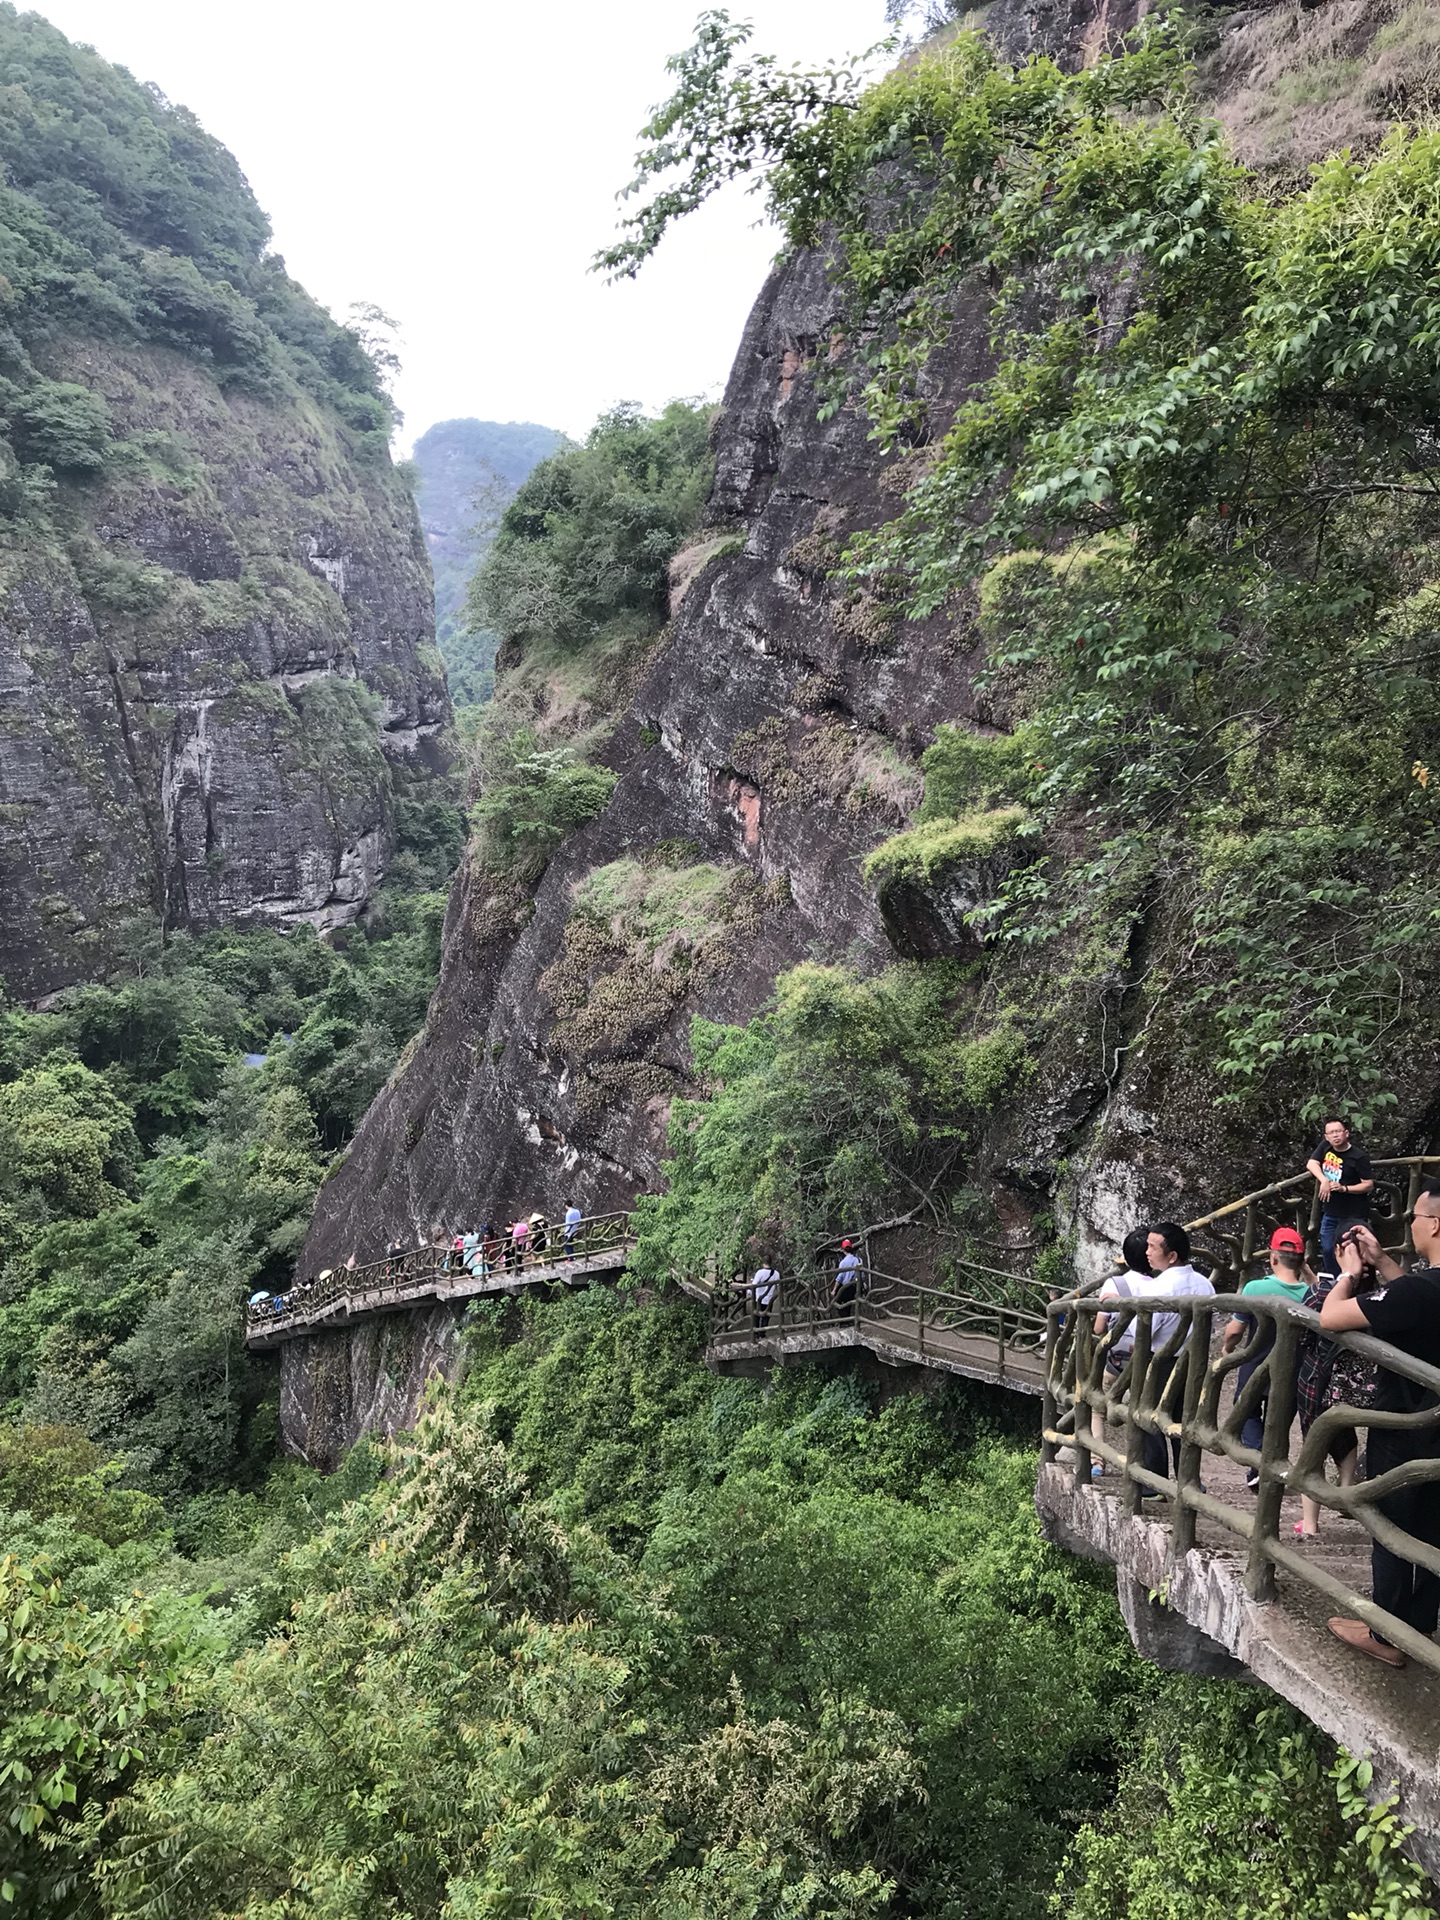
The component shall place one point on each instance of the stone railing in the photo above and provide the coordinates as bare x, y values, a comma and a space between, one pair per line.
398, 1278
1176, 1393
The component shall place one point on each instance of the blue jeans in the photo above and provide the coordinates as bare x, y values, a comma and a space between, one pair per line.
1253, 1431
1332, 1225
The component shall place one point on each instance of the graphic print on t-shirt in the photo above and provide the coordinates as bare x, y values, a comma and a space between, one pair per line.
1333, 1165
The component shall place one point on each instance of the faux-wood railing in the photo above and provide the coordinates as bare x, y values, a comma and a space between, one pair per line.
1175, 1394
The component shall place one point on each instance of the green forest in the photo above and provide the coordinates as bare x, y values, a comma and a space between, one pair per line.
607, 1637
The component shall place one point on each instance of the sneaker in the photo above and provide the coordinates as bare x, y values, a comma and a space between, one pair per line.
1356, 1634
1252, 1478
1097, 1473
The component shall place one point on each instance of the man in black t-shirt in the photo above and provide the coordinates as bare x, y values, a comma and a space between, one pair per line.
1405, 1310
1346, 1183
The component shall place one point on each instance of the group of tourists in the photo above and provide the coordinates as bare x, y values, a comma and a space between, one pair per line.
851, 1281
508, 1248
1355, 1287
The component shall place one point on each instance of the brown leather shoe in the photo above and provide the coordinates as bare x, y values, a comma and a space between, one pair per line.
1356, 1634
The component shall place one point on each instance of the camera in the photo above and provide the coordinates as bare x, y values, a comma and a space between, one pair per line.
1369, 1275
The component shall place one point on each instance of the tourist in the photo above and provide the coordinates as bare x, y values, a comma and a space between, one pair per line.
848, 1276
1167, 1250
539, 1233
1343, 1176
1405, 1310
762, 1289
1128, 1285
573, 1217
351, 1264
492, 1247
1330, 1376
470, 1252
519, 1240
1285, 1281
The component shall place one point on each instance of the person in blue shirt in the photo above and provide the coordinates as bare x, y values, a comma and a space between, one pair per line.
848, 1276
573, 1217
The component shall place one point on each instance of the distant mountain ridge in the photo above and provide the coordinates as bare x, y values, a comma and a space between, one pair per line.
469, 470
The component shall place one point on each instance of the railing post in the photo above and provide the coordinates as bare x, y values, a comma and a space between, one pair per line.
1084, 1348
1134, 1492
1050, 1401
1247, 1247
1274, 1457
1197, 1360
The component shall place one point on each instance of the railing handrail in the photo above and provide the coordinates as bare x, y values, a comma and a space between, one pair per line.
825, 1278
1269, 1306
1278, 1187
1172, 1394
393, 1275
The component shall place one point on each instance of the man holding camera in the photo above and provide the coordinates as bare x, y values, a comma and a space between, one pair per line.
1404, 1308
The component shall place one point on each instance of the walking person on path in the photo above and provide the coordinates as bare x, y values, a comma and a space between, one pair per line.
519, 1238
848, 1276
573, 1217
1405, 1310
762, 1288
1343, 1174
1129, 1285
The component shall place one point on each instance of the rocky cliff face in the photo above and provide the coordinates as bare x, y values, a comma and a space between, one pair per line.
774, 740
216, 624
209, 683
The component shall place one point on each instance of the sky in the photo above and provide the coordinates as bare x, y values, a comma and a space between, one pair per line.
457, 165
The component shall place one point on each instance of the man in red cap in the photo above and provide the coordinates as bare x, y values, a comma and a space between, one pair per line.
1289, 1279
847, 1276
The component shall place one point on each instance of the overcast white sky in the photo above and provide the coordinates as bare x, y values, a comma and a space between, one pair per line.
457, 164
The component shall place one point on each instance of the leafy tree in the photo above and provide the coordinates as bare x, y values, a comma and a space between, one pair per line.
67, 1148
87, 1700
590, 534
846, 1100
535, 796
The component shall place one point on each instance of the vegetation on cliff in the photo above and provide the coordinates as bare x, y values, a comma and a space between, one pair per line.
575, 584
122, 218
1206, 537
219, 696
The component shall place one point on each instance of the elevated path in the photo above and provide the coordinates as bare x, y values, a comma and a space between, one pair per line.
1210, 1574
599, 1248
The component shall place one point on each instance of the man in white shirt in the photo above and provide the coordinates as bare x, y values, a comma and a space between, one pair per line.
1167, 1254
763, 1289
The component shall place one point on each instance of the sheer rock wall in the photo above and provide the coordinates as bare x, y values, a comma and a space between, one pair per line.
778, 730
213, 670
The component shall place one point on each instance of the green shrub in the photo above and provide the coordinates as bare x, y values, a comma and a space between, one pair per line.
62, 425
924, 854
590, 534
535, 796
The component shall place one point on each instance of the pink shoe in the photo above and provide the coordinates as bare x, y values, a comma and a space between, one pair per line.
1306, 1533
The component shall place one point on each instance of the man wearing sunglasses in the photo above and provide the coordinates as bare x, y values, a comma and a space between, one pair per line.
1405, 1310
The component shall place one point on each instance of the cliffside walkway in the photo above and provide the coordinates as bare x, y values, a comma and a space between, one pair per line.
1210, 1572
981, 1335
337, 1297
